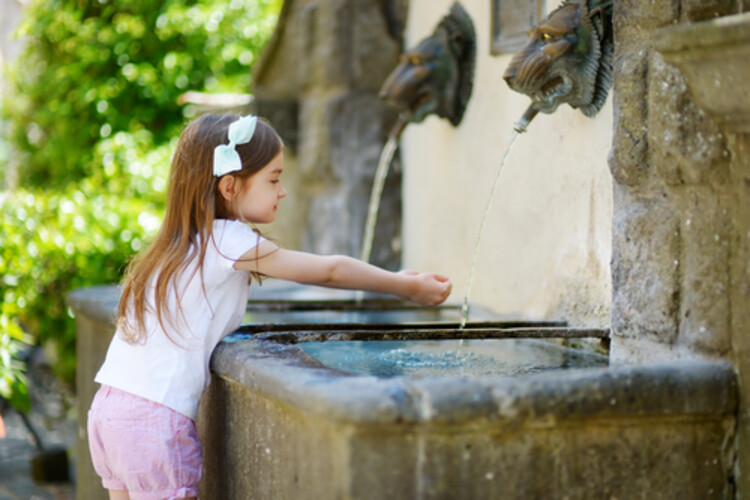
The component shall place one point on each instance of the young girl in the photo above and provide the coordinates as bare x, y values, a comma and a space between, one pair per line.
189, 290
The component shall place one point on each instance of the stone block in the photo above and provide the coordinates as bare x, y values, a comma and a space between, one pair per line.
628, 159
344, 42
686, 144
705, 307
702, 10
344, 149
646, 14
645, 279
314, 139
359, 123
283, 116
375, 51
713, 55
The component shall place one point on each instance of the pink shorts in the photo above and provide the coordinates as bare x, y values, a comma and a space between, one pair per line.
143, 447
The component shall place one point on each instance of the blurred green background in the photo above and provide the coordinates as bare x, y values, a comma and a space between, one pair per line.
89, 120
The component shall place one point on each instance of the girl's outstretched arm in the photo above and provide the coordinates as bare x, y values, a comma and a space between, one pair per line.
338, 271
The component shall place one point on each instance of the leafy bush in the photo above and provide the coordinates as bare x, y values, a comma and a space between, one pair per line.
91, 115
51, 243
93, 68
12, 378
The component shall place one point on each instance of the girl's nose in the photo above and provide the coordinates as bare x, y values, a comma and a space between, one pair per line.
282, 193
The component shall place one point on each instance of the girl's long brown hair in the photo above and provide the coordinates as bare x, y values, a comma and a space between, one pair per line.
193, 203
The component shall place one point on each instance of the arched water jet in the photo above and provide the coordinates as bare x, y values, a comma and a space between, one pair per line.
377, 187
472, 267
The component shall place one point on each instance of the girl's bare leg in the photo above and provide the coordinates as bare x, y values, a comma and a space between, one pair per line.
118, 495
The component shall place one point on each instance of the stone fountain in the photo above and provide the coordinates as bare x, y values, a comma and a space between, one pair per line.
666, 420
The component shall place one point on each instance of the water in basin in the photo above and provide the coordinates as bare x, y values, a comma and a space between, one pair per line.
443, 357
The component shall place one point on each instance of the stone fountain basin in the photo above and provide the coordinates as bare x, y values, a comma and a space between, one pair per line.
277, 423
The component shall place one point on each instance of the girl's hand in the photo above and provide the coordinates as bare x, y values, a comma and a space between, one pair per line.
430, 289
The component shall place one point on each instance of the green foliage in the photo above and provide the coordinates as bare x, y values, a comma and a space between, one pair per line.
90, 120
12, 379
54, 242
94, 68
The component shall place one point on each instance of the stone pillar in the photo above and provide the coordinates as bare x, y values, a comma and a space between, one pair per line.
646, 225
95, 310
318, 83
740, 301
673, 233
681, 162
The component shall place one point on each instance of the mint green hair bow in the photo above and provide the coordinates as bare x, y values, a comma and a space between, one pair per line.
226, 157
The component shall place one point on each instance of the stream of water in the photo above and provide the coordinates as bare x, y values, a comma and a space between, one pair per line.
376, 194
472, 268
377, 191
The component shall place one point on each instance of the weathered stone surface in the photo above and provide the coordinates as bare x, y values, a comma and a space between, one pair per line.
646, 15
705, 313
628, 159
95, 309
645, 260
740, 296
686, 145
326, 63
698, 121
701, 10
278, 425
713, 57
339, 158
283, 116
341, 42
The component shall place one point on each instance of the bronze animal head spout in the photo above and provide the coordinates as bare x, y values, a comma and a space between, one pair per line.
567, 59
437, 75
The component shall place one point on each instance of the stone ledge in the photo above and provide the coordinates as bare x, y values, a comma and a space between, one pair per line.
284, 372
96, 302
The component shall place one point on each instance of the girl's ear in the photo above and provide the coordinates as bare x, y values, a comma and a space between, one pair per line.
227, 187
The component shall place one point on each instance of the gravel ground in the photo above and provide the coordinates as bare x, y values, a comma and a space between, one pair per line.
53, 418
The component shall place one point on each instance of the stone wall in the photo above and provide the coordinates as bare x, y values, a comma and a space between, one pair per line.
318, 83
674, 233
681, 165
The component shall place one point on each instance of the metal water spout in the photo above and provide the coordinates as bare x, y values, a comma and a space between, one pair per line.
522, 124
567, 59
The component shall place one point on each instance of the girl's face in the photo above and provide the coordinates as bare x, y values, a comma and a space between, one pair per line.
258, 198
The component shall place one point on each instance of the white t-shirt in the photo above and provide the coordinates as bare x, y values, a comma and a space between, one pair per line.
177, 375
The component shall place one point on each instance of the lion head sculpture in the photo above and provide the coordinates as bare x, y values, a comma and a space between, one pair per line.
437, 75
567, 59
